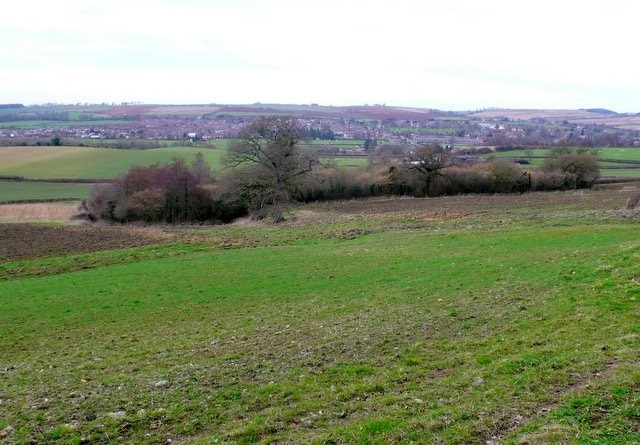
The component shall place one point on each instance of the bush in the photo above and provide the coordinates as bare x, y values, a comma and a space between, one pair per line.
145, 205
166, 193
177, 192
582, 167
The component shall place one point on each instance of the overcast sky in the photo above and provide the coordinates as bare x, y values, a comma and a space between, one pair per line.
449, 54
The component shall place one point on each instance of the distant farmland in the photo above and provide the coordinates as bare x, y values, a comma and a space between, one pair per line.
105, 163
89, 163
614, 161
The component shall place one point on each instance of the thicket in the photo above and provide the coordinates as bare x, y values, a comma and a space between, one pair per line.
267, 170
496, 176
173, 193
178, 193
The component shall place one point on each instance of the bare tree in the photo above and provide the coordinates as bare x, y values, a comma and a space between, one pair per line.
427, 161
269, 150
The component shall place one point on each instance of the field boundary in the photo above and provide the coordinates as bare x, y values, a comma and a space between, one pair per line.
57, 180
39, 200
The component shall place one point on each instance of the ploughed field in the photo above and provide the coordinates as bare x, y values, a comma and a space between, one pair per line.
471, 319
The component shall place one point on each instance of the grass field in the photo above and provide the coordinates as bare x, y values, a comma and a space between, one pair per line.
103, 163
621, 172
631, 154
351, 161
86, 162
619, 153
12, 190
472, 319
609, 153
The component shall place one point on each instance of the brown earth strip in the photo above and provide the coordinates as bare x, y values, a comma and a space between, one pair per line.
27, 241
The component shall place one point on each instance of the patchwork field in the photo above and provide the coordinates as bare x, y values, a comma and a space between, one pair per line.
471, 319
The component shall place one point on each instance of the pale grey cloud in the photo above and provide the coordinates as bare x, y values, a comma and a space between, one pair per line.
459, 54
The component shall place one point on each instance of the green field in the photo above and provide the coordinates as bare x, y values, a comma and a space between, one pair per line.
631, 154
619, 153
13, 190
105, 163
447, 320
351, 161
609, 153
87, 162
621, 172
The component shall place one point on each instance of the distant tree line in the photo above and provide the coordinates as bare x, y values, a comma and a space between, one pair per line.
324, 133
40, 116
123, 144
9, 106
267, 171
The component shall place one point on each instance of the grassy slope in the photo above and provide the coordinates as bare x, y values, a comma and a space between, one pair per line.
373, 329
12, 190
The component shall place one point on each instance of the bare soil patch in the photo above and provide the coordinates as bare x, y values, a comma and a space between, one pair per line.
610, 197
27, 241
37, 212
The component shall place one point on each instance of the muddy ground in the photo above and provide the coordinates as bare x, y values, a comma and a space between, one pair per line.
25, 241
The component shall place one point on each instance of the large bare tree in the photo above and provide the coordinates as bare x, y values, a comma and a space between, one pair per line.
268, 149
427, 161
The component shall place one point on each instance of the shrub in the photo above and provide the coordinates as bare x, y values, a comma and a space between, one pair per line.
145, 205
166, 193
582, 167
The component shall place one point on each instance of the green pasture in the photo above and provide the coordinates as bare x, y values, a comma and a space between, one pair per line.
609, 153
619, 153
89, 162
13, 190
105, 163
621, 172
350, 161
517, 324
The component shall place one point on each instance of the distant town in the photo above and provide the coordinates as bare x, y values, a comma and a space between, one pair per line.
34, 125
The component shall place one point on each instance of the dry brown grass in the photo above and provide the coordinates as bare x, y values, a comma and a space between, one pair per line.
624, 122
184, 109
526, 114
37, 212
